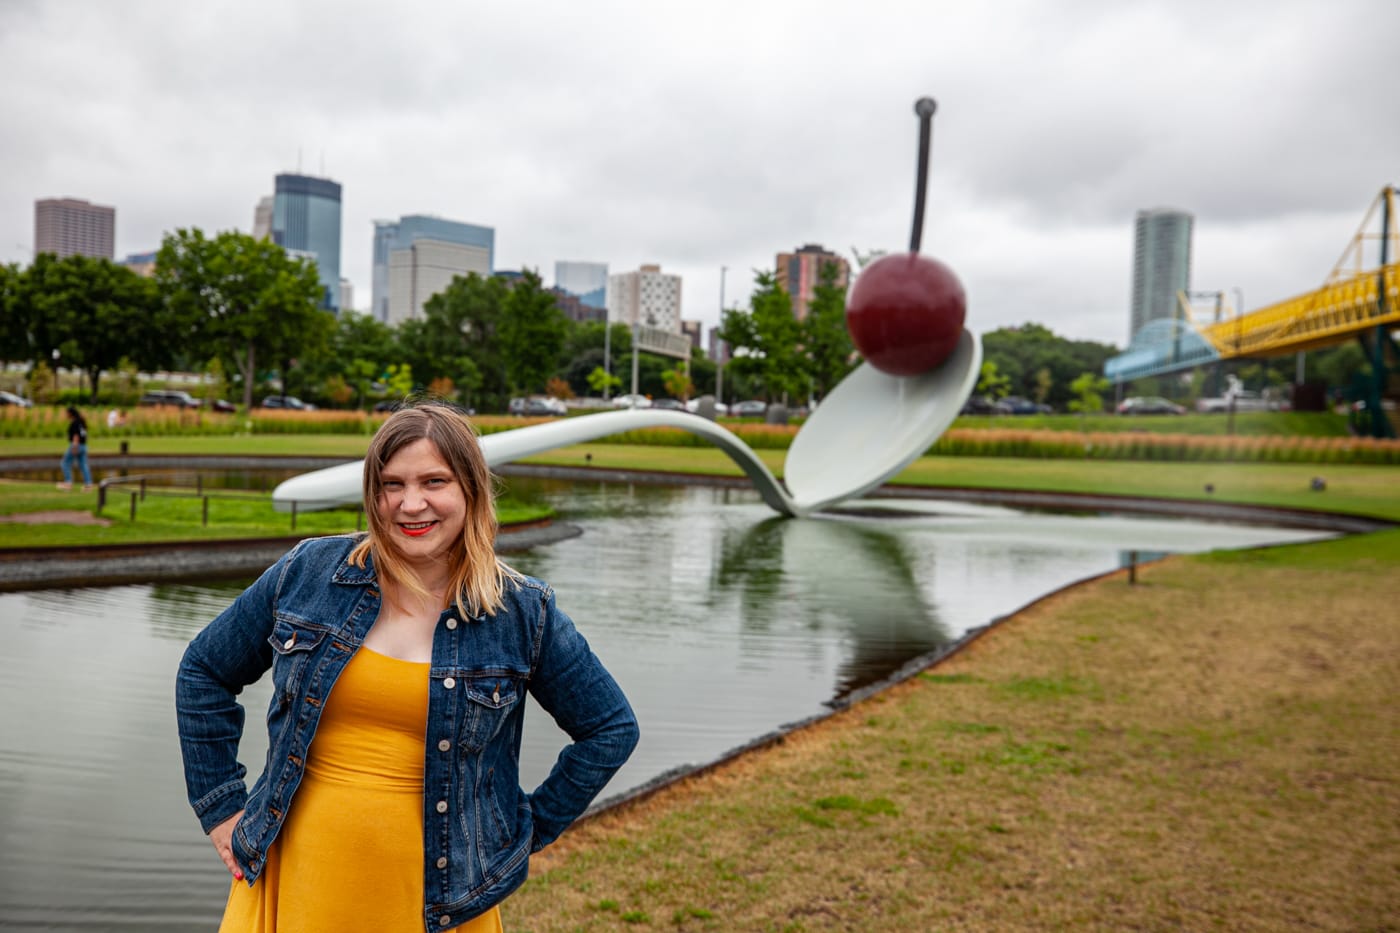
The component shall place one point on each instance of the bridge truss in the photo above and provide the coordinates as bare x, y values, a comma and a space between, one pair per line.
1357, 301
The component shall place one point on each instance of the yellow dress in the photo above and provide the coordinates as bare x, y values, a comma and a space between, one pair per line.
350, 856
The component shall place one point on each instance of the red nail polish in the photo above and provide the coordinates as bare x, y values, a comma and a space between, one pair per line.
238, 875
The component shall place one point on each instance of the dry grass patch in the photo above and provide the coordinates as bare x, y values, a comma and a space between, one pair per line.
1216, 747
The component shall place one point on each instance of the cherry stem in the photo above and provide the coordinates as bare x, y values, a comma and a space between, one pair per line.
923, 108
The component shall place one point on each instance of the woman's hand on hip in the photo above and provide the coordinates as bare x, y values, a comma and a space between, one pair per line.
221, 836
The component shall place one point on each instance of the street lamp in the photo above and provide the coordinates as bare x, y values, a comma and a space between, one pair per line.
55, 371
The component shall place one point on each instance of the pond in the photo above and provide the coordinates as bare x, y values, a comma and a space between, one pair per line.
721, 622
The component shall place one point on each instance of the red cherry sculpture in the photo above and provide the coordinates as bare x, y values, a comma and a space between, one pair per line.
905, 313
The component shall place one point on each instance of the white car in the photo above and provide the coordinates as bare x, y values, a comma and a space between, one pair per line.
693, 406
631, 401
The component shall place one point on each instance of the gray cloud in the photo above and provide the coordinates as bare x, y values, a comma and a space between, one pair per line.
706, 134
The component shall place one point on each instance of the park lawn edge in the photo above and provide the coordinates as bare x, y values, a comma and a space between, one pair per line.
1163, 755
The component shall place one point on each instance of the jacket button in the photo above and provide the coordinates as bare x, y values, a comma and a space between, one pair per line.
444, 920
449, 683
287, 645
444, 746
451, 623
442, 806
442, 861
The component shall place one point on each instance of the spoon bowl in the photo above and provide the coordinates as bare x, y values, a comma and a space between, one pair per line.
873, 425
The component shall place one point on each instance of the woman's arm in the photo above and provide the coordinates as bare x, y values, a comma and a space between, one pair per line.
573, 686
230, 653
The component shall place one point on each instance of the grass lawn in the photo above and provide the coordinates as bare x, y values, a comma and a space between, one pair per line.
1216, 747
161, 518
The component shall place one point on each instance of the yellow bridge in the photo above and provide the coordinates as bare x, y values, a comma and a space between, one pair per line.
1354, 300
1358, 301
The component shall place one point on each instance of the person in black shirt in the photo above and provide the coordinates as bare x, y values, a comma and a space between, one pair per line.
77, 449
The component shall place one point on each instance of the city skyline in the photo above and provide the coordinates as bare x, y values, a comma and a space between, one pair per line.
1041, 156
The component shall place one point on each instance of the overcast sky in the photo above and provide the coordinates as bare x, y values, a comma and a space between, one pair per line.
710, 134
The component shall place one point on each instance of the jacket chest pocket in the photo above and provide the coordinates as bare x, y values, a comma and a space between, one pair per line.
293, 645
489, 702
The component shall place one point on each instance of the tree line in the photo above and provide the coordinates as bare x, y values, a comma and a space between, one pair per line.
247, 314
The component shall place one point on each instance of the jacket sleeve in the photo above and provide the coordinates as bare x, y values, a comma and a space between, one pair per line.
228, 655
572, 685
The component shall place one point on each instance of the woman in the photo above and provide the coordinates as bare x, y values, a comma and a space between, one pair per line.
400, 659
77, 449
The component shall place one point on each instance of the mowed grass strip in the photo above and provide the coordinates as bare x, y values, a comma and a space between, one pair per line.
1217, 747
175, 517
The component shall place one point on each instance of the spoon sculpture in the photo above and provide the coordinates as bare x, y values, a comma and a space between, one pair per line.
906, 315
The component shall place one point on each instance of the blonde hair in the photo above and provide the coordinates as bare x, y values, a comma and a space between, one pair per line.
477, 577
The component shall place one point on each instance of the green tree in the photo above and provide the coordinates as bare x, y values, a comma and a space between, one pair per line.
825, 337
242, 299
95, 313
991, 382
14, 316
1022, 353
359, 350
532, 331
765, 340
1088, 391
600, 379
459, 337
678, 384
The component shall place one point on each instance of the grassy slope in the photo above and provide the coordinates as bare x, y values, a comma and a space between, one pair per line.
1215, 747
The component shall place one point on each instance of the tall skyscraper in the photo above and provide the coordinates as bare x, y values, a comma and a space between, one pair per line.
648, 297
262, 218
1161, 264
587, 281
306, 221
73, 227
417, 256
799, 273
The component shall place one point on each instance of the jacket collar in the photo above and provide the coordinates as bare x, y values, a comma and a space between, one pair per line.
350, 575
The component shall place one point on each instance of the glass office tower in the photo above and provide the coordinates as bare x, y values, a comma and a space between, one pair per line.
306, 221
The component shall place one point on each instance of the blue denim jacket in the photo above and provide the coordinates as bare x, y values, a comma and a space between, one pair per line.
305, 618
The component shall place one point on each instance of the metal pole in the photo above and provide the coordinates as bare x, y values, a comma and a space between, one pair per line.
719, 344
607, 353
634, 358
1380, 424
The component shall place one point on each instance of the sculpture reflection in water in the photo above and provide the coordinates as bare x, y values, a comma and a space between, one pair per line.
832, 572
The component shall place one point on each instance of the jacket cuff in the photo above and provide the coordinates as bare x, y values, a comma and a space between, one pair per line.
220, 804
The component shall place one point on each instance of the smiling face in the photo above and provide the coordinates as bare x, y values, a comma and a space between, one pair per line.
422, 507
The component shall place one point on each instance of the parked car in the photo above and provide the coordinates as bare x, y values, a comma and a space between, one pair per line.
978, 405
288, 402
631, 401
223, 405
537, 406
1149, 405
693, 406
19, 401
175, 398
1016, 405
1244, 400
751, 408
389, 404
669, 404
